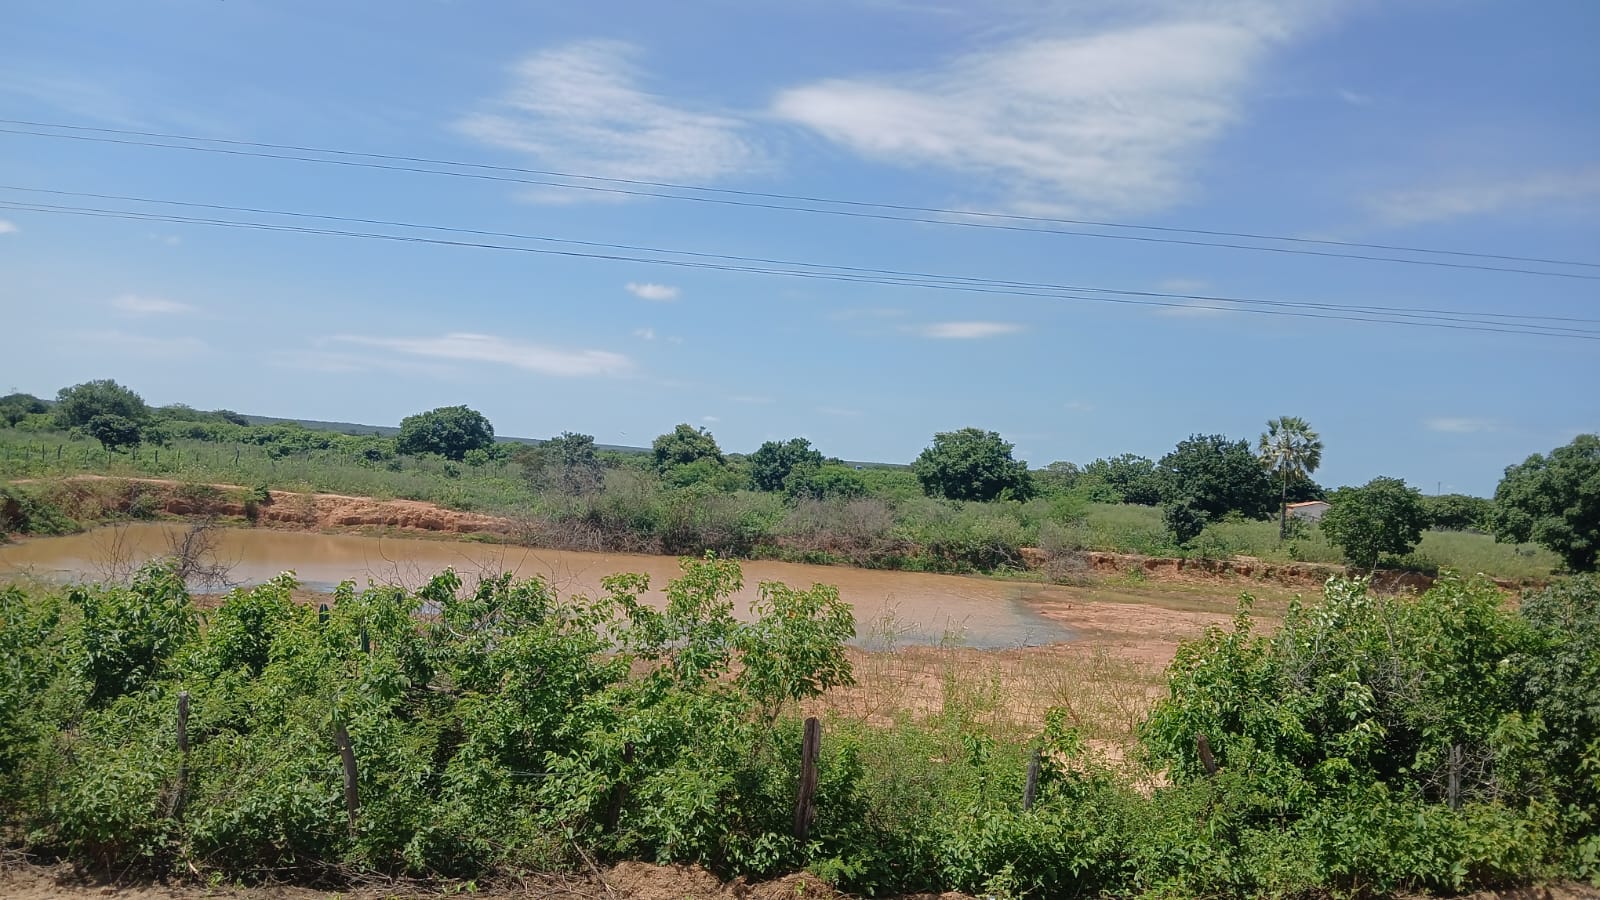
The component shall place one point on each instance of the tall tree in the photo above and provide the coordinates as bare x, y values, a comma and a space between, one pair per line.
972, 464
1555, 501
1291, 451
449, 431
1216, 476
76, 405
685, 445
773, 463
1382, 516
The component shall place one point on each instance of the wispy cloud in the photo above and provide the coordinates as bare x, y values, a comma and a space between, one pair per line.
1079, 406
645, 334
879, 312
581, 108
8, 227
1354, 98
1183, 285
759, 399
1081, 115
710, 420
649, 290
840, 411
484, 348
964, 330
135, 305
1440, 203
1461, 425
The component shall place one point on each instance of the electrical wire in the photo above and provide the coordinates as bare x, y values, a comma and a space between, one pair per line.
928, 284
487, 173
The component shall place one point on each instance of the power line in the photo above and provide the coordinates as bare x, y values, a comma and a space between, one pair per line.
917, 277
730, 199
1420, 321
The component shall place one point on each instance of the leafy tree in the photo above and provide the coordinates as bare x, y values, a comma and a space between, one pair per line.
828, 482
449, 431
1382, 516
1058, 477
1459, 512
684, 445
76, 405
1554, 501
972, 464
1123, 479
1217, 476
774, 461
1185, 520
1291, 451
15, 407
114, 432
568, 462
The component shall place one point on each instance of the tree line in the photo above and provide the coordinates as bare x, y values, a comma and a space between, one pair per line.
1549, 499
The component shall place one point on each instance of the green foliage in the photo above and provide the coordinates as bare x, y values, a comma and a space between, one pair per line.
16, 407
78, 404
1216, 477
114, 432
684, 445
1458, 512
127, 635
1185, 519
449, 431
972, 464
1554, 501
1382, 516
567, 462
775, 461
830, 482
1122, 479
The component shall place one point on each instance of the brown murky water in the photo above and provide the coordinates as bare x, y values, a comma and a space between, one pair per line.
913, 607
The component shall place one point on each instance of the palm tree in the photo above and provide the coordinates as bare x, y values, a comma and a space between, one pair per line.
1291, 450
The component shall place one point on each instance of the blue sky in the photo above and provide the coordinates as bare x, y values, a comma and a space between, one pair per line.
1458, 125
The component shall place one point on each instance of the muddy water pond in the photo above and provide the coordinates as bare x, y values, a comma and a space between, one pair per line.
890, 607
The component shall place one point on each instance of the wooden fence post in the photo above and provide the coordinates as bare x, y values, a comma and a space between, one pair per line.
1206, 759
352, 799
805, 804
183, 754
1030, 791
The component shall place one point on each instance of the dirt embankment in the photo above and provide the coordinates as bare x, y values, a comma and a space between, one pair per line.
89, 497
1297, 575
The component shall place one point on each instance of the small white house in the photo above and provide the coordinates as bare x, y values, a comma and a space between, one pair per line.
1310, 510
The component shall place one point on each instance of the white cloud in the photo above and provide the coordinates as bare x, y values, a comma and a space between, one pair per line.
1354, 98
8, 227
648, 290
1079, 406
645, 334
484, 348
1462, 425
580, 108
1454, 201
710, 420
965, 330
1079, 116
135, 305
840, 411
758, 399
